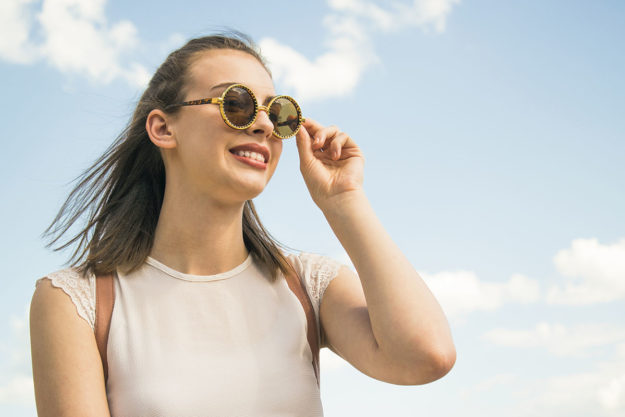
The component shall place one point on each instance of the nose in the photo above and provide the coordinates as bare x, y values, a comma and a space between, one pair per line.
262, 125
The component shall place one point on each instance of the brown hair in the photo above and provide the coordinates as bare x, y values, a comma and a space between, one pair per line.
121, 194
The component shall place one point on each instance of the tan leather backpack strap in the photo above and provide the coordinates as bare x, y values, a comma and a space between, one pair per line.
299, 289
104, 301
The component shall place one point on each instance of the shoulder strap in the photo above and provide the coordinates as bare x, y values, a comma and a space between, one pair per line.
298, 287
104, 301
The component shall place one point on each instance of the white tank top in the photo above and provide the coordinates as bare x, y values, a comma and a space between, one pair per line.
231, 344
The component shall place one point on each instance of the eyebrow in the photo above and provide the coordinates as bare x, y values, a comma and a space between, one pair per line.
229, 83
222, 85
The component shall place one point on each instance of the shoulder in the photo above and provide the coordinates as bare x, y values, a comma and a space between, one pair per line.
80, 289
67, 369
316, 271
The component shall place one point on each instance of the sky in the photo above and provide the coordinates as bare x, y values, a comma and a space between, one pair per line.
494, 141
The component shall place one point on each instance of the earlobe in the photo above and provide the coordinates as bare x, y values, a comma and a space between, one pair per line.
159, 131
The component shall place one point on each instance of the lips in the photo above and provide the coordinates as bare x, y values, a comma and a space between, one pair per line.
252, 147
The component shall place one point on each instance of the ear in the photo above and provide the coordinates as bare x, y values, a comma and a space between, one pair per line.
159, 130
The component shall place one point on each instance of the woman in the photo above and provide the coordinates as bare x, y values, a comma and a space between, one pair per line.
203, 322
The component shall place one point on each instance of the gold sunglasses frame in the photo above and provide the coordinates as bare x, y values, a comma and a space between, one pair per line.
257, 108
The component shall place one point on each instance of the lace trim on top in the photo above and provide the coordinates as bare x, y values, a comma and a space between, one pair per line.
317, 270
80, 288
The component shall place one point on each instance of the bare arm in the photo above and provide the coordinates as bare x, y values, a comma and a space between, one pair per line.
390, 326
394, 313
67, 370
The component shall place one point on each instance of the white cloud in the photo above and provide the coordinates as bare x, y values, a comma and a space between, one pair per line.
461, 292
596, 273
15, 27
335, 73
611, 393
598, 392
427, 12
76, 38
16, 382
18, 390
559, 339
372, 12
567, 395
419, 13
350, 52
488, 384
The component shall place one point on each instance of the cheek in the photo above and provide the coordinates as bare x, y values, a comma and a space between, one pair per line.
276, 152
204, 138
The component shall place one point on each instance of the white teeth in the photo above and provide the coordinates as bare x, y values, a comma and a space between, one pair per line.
252, 155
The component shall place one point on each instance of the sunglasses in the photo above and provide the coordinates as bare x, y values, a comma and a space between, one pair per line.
239, 108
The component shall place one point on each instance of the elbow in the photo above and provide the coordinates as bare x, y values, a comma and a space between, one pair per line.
441, 362
433, 366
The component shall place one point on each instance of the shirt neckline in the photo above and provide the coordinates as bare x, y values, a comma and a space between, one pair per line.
199, 278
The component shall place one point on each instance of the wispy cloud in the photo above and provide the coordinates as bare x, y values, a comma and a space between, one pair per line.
462, 292
596, 392
16, 383
350, 26
488, 384
559, 339
334, 73
418, 13
592, 273
73, 36
595, 273
18, 390
16, 20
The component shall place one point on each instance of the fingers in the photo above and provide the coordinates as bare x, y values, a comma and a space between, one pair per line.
304, 141
337, 145
319, 133
330, 140
312, 126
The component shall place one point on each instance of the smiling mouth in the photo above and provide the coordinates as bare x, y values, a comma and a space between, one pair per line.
253, 159
255, 156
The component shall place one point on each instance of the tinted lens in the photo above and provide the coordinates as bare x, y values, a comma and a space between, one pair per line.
284, 114
239, 106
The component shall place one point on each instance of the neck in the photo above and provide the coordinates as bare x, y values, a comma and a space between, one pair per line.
199, 236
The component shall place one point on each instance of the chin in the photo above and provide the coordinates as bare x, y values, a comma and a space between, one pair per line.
253, 184
249, 191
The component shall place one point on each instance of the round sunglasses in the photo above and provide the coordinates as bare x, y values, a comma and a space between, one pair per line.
239, 108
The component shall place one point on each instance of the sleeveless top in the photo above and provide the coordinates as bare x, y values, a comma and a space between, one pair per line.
231, 344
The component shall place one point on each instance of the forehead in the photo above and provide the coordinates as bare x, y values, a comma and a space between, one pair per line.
219, 66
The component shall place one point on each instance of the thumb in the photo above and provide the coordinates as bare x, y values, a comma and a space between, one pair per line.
304, 145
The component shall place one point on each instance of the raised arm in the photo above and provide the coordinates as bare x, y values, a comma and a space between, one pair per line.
387, 323
67, 370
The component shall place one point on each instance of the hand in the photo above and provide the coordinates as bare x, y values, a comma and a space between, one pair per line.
330, 161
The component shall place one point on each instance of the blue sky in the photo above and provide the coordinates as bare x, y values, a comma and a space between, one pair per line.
494, 140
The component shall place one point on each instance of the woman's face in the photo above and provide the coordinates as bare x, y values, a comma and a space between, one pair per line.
205, 159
